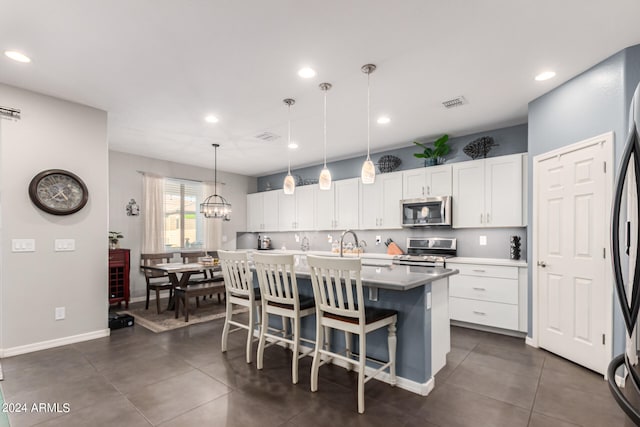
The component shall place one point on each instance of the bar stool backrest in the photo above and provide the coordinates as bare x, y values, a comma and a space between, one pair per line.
277, 279
238, 277
337, 286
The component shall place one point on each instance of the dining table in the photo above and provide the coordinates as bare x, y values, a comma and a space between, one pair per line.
179, 274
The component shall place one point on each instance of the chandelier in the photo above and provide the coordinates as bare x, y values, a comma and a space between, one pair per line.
216, 206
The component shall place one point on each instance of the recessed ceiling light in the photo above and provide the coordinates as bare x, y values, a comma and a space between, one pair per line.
545, 76
211, 119
383, 120
17, 56
306, 73
293, 145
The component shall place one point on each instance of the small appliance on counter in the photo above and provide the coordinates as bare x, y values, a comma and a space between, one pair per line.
264, 243
428, 251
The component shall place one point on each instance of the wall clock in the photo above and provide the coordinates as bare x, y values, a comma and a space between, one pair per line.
58, 192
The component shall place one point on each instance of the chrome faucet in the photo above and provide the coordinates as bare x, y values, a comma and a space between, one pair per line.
304, 244
342, 238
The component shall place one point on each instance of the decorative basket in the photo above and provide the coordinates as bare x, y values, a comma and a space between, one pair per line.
388, 163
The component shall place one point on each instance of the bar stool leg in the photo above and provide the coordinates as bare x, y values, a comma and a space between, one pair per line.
261, 343
315, 366
392, 342
225, 329
347, 344
361, 368
250, 332
296, 349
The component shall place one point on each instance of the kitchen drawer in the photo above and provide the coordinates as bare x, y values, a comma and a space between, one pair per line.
486, 270
484, 288
484, 313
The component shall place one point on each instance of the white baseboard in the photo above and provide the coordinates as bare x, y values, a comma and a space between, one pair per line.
529, 341
44, 345
491, 329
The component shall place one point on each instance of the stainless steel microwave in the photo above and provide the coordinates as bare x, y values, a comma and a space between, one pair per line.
426, 212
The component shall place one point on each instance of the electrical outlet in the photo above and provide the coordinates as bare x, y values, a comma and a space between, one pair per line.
60, 313
483, 240
378, 240
329, 238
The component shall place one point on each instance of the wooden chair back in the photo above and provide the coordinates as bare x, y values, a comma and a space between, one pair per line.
277, 279
153, 259
337, 286
238, 277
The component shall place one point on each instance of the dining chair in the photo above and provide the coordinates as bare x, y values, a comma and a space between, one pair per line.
156, 280
238, 279
337, 289
280, 297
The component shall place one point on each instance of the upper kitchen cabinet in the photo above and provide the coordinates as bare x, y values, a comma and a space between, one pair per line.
380, 202
297, 211
489, 192
426, 182
337, 208
262, 211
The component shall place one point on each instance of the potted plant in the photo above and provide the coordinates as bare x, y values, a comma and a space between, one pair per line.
113, 239
433, 156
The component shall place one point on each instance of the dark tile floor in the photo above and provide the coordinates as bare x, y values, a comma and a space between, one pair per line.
180, 378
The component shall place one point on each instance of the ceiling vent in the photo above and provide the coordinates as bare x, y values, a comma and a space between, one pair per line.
454, 102
10, 113
267, 136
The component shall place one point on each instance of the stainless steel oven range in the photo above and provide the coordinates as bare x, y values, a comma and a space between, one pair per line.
428, 251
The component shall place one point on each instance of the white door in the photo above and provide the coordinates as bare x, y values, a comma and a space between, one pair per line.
370, 196
390, 204
255, 207
468, 194
438, 180
503, 191
347, 202
305, 208
286, 211
325, 208
413, 183
571, 225
270, 213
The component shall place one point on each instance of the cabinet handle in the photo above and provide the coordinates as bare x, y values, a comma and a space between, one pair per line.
479, 271
479, 313
428, 189
480, 218
423, 190
479, 289
488, 218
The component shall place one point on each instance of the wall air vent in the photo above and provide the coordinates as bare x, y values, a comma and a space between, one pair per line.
454, 102
267, 136
10, 113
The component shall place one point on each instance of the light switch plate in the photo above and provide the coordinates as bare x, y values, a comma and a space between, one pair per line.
483, 240
60, 313
65, 245
378, 240
23, 245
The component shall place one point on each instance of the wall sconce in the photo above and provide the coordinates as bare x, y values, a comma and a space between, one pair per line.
132, 208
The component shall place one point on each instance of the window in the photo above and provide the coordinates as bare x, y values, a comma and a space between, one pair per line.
183, 227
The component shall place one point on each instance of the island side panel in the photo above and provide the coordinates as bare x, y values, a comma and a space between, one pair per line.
440, 324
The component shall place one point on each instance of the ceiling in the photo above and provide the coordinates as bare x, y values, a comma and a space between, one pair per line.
160, 66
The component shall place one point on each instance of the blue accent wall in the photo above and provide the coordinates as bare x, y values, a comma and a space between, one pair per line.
510, 140
592, 103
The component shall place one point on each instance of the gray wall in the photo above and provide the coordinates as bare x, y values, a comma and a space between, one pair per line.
590, 104
125, 183
468, 240
511, 140
53, 134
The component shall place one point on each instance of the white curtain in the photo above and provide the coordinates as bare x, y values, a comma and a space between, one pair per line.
212, 226
153, 213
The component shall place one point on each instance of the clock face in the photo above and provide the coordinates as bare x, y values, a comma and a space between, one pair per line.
58, 192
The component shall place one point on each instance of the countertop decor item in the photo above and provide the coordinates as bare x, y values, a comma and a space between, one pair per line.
388, 163
479, 147
433, 155
58, 192
114, 236
368, 174
216, 206
514, 251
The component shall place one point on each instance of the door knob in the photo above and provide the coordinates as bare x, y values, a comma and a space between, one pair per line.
542, 264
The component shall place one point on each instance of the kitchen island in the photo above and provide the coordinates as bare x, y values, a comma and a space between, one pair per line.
420, 295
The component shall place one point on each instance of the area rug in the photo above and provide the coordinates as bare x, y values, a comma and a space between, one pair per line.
210, 309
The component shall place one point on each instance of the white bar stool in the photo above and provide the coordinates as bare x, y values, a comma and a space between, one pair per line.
238, 279
337, 289
279, 293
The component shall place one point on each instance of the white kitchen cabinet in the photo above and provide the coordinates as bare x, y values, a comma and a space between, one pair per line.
325, 208
489, 192
426, 182
286, 211
489, 295
262, 211
297, 211
346, 203
380, 202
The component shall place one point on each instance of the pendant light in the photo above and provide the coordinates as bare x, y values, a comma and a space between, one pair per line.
368, 174
216, 206
325, 176
289, 186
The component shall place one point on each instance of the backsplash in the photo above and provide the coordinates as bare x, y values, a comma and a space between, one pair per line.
498, 240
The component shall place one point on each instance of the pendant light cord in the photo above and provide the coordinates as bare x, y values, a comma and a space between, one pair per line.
368, 115
215, 170
325, 128
289, 137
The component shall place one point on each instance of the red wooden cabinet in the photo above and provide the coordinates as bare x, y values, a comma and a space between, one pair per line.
119, 276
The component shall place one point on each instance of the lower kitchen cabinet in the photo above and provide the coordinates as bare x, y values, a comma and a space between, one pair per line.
489, 295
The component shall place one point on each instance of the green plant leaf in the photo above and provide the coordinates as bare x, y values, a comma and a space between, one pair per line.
420, 155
